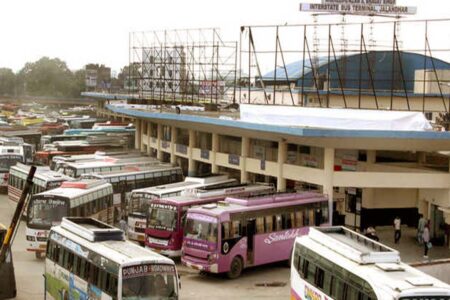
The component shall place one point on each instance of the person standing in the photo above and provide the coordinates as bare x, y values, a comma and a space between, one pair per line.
420, 228
397, 228
426, 240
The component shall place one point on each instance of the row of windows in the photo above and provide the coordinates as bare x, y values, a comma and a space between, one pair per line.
310, 215
83, 268
129, 185
19, 183
93, 207
331, 279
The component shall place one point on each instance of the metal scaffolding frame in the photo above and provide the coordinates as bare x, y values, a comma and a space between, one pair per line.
183, 66
274, 75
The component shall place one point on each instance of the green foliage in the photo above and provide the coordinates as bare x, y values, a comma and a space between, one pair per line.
50, 77
7, 82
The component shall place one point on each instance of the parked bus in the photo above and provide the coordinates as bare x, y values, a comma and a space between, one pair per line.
130, 178
337, 263
138, 202
48, 139
88, 198
87, 259
12, 151
164, 232
44, 179
242, 232
76, 169
60, 160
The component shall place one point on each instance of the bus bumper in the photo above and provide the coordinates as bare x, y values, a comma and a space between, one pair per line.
213, 268
165, 252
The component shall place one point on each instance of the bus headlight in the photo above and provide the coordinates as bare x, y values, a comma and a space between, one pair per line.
212, 257
31, 238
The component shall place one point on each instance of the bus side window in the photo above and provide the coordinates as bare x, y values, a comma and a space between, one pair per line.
235, 229
93, 275
278, 223
260, 225
299, 219
56, 251
225, 230
61, 256
311, 213
305, 265
82, 272
269, 223
319, 278
49, 253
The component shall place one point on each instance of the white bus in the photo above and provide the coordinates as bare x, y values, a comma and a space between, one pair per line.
337, 263
138, 202
44, 179
131, 178
87, 198
87, 259
59, 160
12, 151
76, 169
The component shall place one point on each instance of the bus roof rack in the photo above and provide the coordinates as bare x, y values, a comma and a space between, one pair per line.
92, 229
353, 245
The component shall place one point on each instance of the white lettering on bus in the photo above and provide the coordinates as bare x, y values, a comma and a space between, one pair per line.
277, 237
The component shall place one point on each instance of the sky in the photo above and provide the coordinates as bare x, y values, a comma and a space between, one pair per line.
97, 31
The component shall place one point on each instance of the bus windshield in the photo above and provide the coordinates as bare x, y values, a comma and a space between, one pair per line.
138, 204
162, 216
7, 161
148, 282
200, 227
46, 212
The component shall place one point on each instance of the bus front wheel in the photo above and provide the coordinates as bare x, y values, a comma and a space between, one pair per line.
236, 267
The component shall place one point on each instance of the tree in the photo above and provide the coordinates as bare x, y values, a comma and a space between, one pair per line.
50, 77
7, 82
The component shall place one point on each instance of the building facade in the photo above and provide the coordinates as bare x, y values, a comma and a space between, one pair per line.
370, 176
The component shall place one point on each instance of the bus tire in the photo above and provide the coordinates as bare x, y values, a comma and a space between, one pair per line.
236, 267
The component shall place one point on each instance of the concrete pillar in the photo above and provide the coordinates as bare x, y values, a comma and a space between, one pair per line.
142, 126
371, 156
159, 155
192, 164
149, 136
138, 135
328, 178
173, 141
282, 154
245, 148
214, 149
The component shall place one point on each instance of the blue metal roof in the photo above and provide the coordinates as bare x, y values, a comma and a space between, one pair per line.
354, 70
285, 130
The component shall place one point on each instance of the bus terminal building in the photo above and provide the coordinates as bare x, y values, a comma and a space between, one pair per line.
370, 176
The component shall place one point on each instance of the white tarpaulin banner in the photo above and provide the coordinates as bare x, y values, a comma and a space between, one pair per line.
351, 119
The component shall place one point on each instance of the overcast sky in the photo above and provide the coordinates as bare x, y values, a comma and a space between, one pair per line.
96, 31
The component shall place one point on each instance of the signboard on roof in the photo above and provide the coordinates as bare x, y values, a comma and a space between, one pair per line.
359, 7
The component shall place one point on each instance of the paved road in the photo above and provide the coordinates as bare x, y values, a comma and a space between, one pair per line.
30, 282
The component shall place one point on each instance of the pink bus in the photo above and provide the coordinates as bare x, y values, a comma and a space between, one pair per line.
242, 232
164, 231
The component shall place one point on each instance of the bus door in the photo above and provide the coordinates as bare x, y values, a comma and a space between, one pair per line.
251, 230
